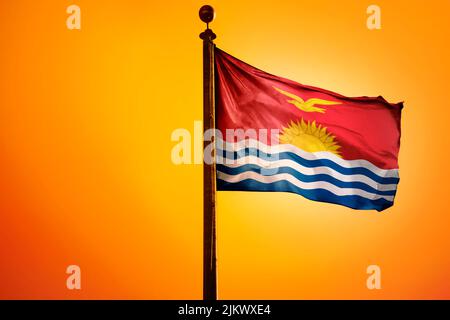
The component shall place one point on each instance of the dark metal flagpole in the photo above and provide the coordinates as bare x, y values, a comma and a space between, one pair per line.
209, 170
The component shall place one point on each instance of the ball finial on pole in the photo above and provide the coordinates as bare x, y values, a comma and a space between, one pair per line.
207, 14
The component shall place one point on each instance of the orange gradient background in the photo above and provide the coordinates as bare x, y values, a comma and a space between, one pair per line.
86, 176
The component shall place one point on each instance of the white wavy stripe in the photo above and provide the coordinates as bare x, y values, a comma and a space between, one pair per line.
237, 146
300, 184
304, 170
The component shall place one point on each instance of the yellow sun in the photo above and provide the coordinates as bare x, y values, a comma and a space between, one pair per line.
310, 137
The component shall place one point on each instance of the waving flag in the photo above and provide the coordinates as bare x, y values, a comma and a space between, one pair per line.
279, 135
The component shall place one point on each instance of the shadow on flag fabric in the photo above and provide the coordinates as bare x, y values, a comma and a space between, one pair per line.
275, 134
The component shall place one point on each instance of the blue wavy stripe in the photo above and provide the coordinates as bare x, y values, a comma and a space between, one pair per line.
303, 177
306, 163
322, 195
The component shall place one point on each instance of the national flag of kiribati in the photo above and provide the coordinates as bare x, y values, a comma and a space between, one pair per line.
279, 135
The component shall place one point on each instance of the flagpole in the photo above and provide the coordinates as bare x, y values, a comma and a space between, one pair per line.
207, 14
